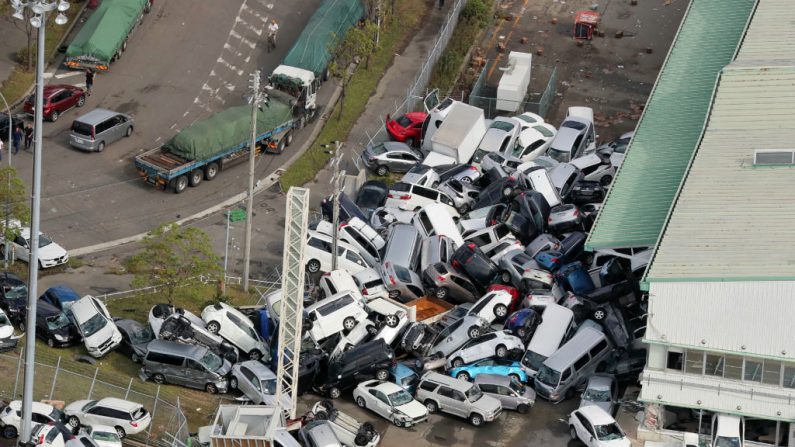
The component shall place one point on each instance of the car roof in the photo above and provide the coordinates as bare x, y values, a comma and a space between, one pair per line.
442, 379
596, 415
46, 309
119, 404
601, 381
262, 371
96, 116
564, 139
494, 379
396, 146
585, 339
84, 308
51, 89
38, 407
330, 299
11, 278
171, 347
387, 387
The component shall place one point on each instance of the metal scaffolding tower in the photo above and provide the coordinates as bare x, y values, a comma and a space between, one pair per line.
292, 302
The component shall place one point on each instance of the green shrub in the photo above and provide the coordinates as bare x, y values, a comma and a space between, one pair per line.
476, 11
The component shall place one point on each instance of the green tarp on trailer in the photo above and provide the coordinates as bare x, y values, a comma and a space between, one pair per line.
225, 130
312, 50
104, 32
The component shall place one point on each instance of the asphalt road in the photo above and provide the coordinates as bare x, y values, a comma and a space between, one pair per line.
187, 60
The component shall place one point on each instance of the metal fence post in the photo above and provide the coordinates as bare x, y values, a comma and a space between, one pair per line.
93, 381
154, 408
19, 367
127, 393
55, 377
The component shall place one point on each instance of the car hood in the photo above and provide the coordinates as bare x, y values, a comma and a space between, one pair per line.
75, 407
603, 405
413, 409
107, 443
99, 337
488, 404
51, 251
622, 442
6, 331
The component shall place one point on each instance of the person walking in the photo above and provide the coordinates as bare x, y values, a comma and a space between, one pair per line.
89, 80
273, 29
17, 137
28, 136
441, 4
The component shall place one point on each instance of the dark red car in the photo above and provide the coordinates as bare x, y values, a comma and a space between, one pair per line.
407, 128
57, 100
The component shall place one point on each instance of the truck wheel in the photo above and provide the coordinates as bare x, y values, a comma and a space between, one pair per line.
210, 171
288, 139
180, 184
196, 177
280, 146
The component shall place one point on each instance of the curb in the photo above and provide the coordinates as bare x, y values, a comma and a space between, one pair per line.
261, 185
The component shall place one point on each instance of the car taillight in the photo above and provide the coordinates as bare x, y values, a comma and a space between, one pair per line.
390, 196
553, 260
343, 225
133, 424
392, 280
493, 222
471, 246
440, 278
364, 291
456, 265
41, 439
405, 197
511, 179
326, 274
472, 168
576, 212
92, 132
549, 220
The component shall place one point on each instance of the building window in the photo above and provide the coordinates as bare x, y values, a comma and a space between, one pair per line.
771, 373
753, 371
674, 360
694, 361
789, 376
733, 368
714, 365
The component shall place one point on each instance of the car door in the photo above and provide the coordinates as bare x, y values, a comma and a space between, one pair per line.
580, 423
98, 415
250, 386
119, 129
458, 407
444, 395
21, 248
59, 101
482, 348
193, 374
381, 404
234, 332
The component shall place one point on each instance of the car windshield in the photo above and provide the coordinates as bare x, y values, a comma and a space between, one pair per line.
105, 436
399, 398
548, 376
557, 155
269, 386
502, 125
573, 125
43, 241
474, 394
57, 322
608, 432
378, 149
16, 291
404, 121
544, 131
403, 274
93, 325
726, 441
533, 360
419, 169
517, 386
143, 335
596, 395
211, 361
4, 320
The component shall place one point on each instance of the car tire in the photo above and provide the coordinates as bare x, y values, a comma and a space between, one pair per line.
180, 184
441, 293
431, 406
382, 375
120, 432
54, 116
473, 332
572, 432
372, 330
463, 209
457, 362
10, 432
507, 191
101, 146
334, 393
82, 101
288, 139
505, 277
254, 354
211, 388
210, 171
521, 333
394, 294
392, 320
22, 325
399, 423
599, 314
233, 382
360, 402
50, 342
73, 421
313, 266
214, 327
465, 180
321, 415
604, 181
463, 375
195, 177
349, 323
500, 311
515, 376
501, 351
476, 420
522, 409
381, 171
159, 379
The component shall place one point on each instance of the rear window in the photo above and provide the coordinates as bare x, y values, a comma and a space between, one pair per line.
378, 149
138, 413
373, 283
573, 125
400, 186
403, 274
404, 121
81, 128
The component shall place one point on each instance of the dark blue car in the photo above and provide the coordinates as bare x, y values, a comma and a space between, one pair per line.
523, 323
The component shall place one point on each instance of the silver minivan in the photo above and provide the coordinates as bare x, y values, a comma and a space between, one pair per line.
572, 364
98, 128
187, 365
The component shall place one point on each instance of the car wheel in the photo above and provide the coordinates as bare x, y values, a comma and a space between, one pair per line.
180, 184
101, 146
349, 323
135, 358
129, 132
505, 277
313, 266
399, 423
54, 116
74, 421
431, 406
382, 375
334, 392
474, 332
394, 294
463, 209
9, 432
500, 311
233, 382
604, 181
522, 409
476, 420
521, 332
457, 362
213, 327
507, 191
435, 185
81, 102
120, 432
21, 326
463, 375
372, 330
515, 376
159, 379
50, 342
572, 432
382, 170
599, 315
211, 171
501, 351
288, 139
409, 141
254, 355
392, 320
440, 293
211, 388
361, 403
196, 177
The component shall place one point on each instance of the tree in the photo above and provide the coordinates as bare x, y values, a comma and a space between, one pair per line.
358, 44
171, 256
14, 201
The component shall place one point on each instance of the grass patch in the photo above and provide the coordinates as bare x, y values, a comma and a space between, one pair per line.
17, 84
401, 27
473, 18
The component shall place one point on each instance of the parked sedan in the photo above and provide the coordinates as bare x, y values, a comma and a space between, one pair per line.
125, 416
407, 128
502, 367
390, 156
493, 344
391, 402
371, 195
57, 100
134, 338
602, 391
50, 253
235, 327
512, 394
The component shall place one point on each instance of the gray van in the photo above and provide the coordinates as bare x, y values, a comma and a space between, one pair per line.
187, 365
571, 365
401, 259
98, 128
512, 394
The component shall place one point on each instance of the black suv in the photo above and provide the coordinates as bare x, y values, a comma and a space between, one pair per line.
471, 260
362, 362
13, 296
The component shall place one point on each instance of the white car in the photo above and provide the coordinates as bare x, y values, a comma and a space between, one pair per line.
318, 254
422, 175
103, 435
501, 136
231, 324
391, 318
50, 253
51, 435
11, 417
492, 306
492, 344
391, 402
596, 167
337, 313
411, 197
529, 119
8, 340
370, 284
127, 418
534, 141
596, 428
728, 430
96, 326
359, 234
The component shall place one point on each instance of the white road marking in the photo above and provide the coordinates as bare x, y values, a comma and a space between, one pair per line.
69, 74
230, 87
230, 66
158, 139
174, 125
47, 75
250, 44
186, 113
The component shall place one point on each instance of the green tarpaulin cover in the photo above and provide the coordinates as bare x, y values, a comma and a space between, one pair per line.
103, 33
312, 50
225, 130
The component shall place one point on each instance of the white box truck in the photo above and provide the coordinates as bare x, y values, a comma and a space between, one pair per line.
460, 133
515, 81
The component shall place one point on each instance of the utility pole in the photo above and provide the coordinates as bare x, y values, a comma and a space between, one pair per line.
337, 185
255, 104
226, 251
8, 205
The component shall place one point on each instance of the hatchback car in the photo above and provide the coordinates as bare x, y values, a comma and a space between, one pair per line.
390, 156
406, 128
422, 175
446, 283
492, 344
523, 323
103, 435
99, 128
500, 137
463, 194
564, 218
50, 253
11, 417
371, 195
235, 327
53, 434
255, 381
601, 390
492, 306
462, 172
134, 338
100, 334
534, 141
57, 100
128, 418
391, 402
513, 265
475, 263
596, 167
596, 428
575, 137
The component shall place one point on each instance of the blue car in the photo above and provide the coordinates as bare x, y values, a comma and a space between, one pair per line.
404, 376
500, 367
523, 323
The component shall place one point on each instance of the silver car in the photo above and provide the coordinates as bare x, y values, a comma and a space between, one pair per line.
463, 194
421, 175
461, 172
602, 391
390, 156
512, 394
513, 265
255, 381
494, 159
98, 128
402, 284
447, 283
451, 338
563, 177
319, 434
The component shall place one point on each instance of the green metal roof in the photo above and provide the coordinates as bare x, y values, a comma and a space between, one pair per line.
644, 188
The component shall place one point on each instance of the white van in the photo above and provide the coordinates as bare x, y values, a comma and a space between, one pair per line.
337, 281
360, 235
433, 219
557, 322
539, 180
318, 254
337, 313
370, 284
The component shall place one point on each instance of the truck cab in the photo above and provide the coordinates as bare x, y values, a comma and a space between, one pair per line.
299, 83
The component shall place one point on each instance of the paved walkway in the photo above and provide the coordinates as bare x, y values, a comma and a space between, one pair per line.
14, 38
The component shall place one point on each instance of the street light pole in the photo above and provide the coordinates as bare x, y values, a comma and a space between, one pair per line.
255, 104
337, 186
40, 9
8, 205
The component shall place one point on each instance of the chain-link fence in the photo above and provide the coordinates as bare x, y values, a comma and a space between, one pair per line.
484, 95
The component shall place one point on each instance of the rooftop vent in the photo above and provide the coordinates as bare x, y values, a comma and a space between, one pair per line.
774, 157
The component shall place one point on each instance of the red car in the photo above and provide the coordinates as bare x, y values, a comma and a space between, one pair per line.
57, 100
407, 128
